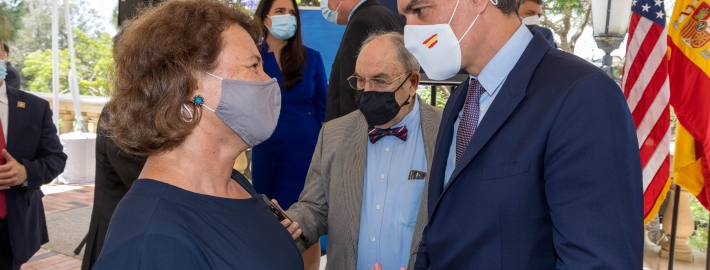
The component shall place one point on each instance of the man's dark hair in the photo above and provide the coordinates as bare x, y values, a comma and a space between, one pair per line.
539, 2
6, 48
508, 7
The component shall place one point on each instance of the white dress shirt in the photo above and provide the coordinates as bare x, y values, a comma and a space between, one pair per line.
4, 109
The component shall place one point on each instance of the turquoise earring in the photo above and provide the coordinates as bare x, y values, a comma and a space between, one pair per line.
198, 100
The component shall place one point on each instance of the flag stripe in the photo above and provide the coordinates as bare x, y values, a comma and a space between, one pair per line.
655, 86
656, 161
634, 43
654, 113
648, 147
656, 54
655, 189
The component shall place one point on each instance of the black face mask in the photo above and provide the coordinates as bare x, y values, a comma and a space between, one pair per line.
379, 107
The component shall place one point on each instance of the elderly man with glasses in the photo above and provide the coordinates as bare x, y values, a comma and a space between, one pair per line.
366, 186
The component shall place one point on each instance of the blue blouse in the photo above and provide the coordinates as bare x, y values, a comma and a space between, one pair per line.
160, 226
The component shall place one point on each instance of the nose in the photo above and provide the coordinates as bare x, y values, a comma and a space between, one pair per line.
263, 76
368, 87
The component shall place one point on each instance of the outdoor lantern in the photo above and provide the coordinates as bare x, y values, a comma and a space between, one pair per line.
610, 19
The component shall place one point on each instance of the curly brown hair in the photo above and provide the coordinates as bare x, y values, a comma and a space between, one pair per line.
157, 56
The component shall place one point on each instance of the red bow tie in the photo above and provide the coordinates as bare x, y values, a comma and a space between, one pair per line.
376, 134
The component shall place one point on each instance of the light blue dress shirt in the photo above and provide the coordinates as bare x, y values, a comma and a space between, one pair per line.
492, 78
355, 8
390, 202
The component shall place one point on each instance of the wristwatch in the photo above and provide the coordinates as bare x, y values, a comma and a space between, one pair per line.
25, 184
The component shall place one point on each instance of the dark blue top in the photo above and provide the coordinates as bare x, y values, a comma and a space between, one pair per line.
280, 164
160, 226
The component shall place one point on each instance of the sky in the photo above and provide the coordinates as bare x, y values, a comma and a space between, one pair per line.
105, 9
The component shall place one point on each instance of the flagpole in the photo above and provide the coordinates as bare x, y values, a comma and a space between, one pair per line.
55, 64
674, 226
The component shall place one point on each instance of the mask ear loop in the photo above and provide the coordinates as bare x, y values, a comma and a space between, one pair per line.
199, 100
406, 102
455, 8
474, 20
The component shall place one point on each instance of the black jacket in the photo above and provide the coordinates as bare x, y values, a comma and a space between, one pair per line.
369, 17
115, 172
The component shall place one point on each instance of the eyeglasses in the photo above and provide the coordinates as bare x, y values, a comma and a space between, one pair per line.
358, 83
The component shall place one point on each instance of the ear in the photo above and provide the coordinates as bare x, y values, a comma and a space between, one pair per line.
479, 5
414, 80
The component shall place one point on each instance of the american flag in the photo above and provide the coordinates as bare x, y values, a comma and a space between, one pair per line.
645, 85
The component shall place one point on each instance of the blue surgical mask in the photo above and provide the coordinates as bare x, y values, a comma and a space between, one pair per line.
3, 70
283, 27
329, 15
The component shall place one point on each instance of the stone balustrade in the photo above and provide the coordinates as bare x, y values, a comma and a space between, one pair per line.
91, 107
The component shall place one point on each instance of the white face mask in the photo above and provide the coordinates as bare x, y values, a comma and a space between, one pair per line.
437, 47
532, 20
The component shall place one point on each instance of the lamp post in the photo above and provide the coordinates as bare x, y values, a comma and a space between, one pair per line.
610, 21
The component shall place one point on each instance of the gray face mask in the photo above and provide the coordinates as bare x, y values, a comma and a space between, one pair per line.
250, 109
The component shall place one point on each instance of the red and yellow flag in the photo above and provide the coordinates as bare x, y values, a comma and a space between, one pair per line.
689, 74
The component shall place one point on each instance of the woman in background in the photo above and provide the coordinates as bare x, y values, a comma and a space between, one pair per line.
280, 164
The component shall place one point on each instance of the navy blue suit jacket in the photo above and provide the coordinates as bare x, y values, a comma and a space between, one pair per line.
546, 33
32, 140
550, 180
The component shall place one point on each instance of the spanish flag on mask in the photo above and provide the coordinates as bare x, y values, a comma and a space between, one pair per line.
689, 74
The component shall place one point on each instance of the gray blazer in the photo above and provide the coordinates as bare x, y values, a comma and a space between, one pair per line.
335, 178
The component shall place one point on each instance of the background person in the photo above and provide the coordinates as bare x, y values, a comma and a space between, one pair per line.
280, 164
191, 94
115, 172
13, 77
533, 157
362, 18
364, 186
31, 156
530, 12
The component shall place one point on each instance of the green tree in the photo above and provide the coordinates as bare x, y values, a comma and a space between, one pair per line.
94, 60
699, 239
442, 95
36, 35
11, 13
567, 18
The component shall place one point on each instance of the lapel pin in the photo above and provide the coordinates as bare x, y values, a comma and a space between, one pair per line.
20, 104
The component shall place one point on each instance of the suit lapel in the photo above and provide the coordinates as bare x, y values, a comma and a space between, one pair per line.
511, 94
16, 117
354, 171
443, 144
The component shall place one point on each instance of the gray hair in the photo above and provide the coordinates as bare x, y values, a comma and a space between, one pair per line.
405, 57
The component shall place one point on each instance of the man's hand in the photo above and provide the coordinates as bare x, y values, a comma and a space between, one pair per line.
291, 227
12, 173
378, 266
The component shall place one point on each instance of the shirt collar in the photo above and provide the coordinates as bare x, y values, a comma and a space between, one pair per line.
497, 70
355, 8
3, 93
